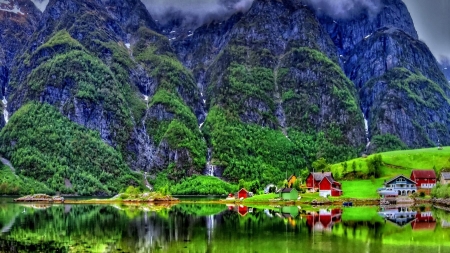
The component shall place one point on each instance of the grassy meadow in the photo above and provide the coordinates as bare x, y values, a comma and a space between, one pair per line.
395, 163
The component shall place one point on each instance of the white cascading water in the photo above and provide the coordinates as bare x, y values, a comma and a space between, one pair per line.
5, 111
210, 169
366, 124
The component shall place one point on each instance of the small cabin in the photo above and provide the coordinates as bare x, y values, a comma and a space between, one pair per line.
288, 194
313, 180
291, 180
445, 177
425, 180
401, 185
242, 194
329, 187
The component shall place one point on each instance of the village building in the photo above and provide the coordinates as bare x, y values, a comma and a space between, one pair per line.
242, 194
329, 187
288, 194
445, 178
313, 180
399, 185
425, 180
291, 180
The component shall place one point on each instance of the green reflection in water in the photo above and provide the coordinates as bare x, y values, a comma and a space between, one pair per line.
216, 228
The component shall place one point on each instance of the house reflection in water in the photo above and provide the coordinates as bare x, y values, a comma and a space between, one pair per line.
323, 220
398, 215
402, 216
424, 221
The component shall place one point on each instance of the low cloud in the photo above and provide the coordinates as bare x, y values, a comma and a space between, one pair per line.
194, 12
345, 9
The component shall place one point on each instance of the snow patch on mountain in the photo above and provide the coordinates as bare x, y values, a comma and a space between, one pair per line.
7, 5
40, 4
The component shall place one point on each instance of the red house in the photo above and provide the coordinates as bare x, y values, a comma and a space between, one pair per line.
329, 187
425, 180
242, 193
314, 179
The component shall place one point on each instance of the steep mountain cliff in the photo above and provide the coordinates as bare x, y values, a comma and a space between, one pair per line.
18, 20
403, 92
257, 95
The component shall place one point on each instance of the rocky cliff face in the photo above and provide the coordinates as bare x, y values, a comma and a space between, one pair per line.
373, 48
263, 91
18, 20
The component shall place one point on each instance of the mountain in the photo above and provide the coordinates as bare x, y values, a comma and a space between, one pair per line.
99, 90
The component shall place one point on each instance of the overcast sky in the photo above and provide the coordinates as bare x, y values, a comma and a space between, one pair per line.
432, 21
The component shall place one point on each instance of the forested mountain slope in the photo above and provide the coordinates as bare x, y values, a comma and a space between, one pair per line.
262, 93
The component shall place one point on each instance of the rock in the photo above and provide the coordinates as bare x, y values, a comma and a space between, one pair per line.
40, 198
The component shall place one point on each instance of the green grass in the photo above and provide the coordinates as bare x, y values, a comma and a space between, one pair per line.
406, 159
419, 158
360, 189
262, 198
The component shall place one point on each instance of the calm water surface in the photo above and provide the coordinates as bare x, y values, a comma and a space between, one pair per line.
220, 228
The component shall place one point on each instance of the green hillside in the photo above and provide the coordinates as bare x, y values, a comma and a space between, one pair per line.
394, 163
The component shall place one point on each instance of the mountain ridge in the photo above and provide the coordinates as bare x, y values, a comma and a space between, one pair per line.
266, 91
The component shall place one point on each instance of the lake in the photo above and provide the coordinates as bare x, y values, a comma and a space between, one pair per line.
220, 228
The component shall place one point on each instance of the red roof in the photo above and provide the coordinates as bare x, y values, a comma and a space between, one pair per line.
430, 174
243, 189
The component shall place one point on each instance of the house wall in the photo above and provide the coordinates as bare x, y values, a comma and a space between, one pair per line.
424, 183
335, 193
242, 194
292, 181
325, 185
444, 181
293, 195
324, 193
309, 181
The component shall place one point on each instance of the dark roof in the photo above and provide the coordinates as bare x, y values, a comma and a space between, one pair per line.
424, 174
284, 190
318, 176
393, 179
330, 178
445, 175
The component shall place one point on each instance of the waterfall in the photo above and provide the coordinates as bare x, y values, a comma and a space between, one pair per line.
210, 169
366, 125
5, 110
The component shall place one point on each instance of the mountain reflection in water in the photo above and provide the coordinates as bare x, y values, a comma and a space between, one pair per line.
220, 228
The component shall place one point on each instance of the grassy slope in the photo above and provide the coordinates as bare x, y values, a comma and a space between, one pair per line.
406, 159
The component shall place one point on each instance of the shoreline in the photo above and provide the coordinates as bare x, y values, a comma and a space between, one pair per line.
171, 200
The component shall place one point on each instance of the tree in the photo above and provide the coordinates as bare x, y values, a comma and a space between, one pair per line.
354, 167
321, 165
297, 185
241, 183
345, 167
